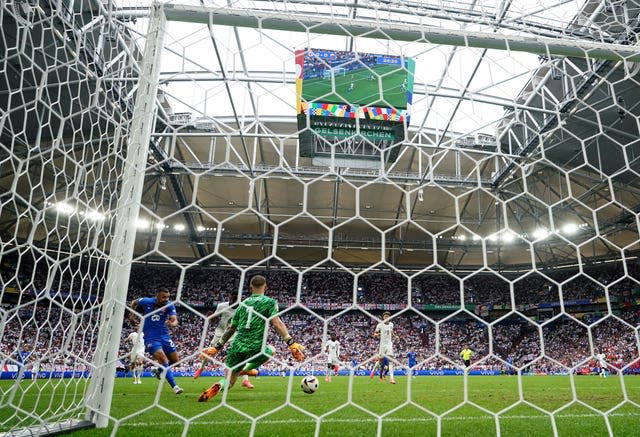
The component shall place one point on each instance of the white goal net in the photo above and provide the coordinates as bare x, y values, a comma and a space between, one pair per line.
449, 190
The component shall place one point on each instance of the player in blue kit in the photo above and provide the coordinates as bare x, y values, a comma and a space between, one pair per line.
411, 363
384, 368
23, 356
159, 314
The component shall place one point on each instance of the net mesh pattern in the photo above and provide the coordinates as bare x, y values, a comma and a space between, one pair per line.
506, 221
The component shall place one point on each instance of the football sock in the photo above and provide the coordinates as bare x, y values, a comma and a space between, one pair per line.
223, 383
169, 376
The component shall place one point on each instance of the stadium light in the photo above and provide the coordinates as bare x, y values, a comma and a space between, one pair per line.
569, 228
95, 216
540, 234
200, 228
475, 237
507, 237
179, 227
462, 237
159, 225
65, 208
142, 224
493, 238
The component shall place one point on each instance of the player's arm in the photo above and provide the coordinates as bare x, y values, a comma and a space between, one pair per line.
132, 318
228, 333
172, 321
376, 333
211, 351
295, 348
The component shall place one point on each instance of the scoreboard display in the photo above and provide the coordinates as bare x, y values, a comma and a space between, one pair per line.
352, 104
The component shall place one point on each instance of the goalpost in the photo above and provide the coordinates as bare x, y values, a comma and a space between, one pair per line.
85, 138
336, 71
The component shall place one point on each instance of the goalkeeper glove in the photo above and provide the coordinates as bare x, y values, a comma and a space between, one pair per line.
295, 348
210, 352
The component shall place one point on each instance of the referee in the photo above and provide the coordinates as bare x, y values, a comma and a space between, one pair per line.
466, 354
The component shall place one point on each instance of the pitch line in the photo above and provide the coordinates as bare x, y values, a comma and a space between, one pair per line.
372, 420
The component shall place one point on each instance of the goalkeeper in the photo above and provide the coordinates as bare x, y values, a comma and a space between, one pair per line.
246, 352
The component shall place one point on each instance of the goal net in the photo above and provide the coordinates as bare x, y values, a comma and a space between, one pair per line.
447, 190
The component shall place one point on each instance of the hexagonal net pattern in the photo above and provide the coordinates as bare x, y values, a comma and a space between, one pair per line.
441, 197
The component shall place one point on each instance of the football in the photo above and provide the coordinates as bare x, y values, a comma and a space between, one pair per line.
309, 384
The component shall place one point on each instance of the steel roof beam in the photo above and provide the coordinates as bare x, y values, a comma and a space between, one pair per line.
396, 30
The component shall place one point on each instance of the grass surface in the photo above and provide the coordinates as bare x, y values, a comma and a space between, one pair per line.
139, 413
365, 91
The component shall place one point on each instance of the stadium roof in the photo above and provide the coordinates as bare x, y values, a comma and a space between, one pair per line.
228, 116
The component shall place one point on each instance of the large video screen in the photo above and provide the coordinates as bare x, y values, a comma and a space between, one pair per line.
355, 79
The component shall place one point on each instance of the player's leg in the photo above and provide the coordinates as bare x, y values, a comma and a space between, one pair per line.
327, 377
154, 348
199, 370
257, 361
163, 361
376, 365
250, 368
173, 358
237, 360
216, 387
387, 352
138, 366
390, 358
246, 383
164, 352
205, 361
373, 371
132, 361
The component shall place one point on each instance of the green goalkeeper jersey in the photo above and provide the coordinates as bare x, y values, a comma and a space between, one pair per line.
250, 321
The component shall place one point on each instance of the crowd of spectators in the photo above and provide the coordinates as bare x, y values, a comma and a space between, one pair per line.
205, 287
375, 287
64, 331
61, 338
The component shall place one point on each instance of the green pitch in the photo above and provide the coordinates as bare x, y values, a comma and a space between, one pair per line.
438, 394
366, 87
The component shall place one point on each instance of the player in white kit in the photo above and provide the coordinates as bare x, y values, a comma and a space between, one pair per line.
602, 364
384, 330
332, 349
136, 358
224, 313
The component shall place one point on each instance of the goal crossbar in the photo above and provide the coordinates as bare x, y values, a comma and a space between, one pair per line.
299, 22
